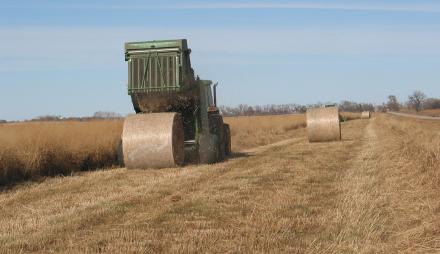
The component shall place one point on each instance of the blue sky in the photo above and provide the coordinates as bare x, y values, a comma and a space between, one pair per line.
66, 57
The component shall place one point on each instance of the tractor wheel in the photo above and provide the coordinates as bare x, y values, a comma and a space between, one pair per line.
120, 154
227, 139
222, 137
208, 148
219, 130
212, 146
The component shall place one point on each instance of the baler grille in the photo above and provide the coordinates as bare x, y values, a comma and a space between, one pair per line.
158, 73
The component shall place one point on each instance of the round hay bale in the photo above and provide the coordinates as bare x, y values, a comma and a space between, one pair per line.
323, 124
365, 115
153, 140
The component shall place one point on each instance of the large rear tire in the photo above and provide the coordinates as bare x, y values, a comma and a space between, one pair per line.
208, 148
220, 132
227, 139
120, 154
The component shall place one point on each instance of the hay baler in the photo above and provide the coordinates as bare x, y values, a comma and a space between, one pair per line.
177, 120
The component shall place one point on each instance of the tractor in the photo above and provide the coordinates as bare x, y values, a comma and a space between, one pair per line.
177, 120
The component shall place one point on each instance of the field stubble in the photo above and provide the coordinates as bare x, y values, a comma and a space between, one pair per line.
376, 191
35, 149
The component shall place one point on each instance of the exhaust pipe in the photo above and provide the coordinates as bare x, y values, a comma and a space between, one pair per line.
215, 94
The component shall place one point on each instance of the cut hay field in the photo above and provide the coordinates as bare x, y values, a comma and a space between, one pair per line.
34, 149
29, 150
376, 191
252, 131
431, 112
425, 112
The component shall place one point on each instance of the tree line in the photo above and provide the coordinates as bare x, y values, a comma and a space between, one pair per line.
280, 109
100, 115
416, 101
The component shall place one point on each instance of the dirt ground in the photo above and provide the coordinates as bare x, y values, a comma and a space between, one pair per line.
375, 191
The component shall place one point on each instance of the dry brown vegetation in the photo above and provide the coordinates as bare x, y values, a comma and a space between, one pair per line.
51, 148
376, 191
430, 112
30, 150
272, 199
252, 131
391, 201
425, 112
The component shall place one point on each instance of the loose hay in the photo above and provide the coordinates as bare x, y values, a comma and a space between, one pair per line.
365, 115
323, 124
153, 140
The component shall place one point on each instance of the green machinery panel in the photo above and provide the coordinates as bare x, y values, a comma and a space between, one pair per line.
157, 66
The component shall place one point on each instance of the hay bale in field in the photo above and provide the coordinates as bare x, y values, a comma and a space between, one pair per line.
154, 140
365, 115
323, 124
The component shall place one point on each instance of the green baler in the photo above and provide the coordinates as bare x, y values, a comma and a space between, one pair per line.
177, 119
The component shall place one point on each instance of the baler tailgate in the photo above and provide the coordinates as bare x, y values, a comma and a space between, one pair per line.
153, 72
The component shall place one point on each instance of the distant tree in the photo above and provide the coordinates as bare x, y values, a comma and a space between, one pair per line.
431, 103
278, 109
381, 108
393, 103
48, 118
3, 121
249, 111
225, 110
350, 106
416, 100
300, 109
106, 115
242, 109
258, 110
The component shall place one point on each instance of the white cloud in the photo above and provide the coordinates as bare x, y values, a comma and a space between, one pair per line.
335, 5
271, 5
71, 48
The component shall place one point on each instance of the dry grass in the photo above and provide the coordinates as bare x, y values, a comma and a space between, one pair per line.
252, 131
426, 112
389, 200
273, 200
374, 192
35, 149
30, 150
410, 152
430, 112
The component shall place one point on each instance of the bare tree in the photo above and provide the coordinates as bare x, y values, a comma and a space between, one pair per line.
278, 109
48, 118
351, 106
106, 115
393, 103
416, 100
249, 111
431, 103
